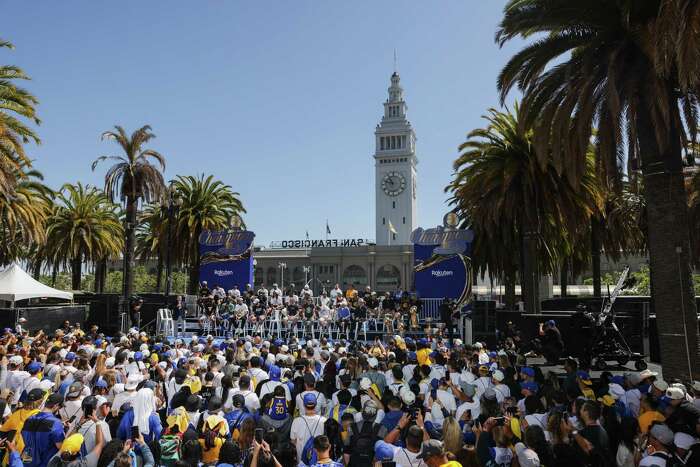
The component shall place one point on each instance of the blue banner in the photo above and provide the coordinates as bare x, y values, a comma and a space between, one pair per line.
442, 268
226, 258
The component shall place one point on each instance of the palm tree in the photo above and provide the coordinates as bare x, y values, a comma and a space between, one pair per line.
207, 204
23, 213
519, 207
151, 237
633, 70
132, 179
15, 104
84, 227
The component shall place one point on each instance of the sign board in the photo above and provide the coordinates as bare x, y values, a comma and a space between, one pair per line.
328, 243
226, 258
442, 267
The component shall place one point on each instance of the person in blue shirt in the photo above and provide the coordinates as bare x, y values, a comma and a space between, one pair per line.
322, 446
237, 416
43, 432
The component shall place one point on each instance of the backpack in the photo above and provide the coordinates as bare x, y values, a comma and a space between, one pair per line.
234, 426
363, 444
308, 453
169, 450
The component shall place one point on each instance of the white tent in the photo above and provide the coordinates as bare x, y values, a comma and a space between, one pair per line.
15, 284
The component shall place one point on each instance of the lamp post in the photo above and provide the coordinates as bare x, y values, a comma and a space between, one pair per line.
282, 267
307, 270
173, 204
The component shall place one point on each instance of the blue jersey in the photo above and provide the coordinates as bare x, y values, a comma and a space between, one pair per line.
41, 433
278, 409
344, 312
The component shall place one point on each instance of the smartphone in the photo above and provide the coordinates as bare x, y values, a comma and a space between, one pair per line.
259, 435
135, 432
500, 421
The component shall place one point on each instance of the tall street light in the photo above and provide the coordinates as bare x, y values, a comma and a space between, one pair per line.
173, 205
282, 267
307, 270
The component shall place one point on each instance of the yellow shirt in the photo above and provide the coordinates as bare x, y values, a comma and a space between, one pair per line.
423, 356
452, 464
15, 422
647, 418
212, 455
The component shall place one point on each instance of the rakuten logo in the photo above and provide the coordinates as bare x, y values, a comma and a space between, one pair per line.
443, 273
222, 273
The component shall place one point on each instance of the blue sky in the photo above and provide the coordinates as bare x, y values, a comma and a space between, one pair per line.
279, 99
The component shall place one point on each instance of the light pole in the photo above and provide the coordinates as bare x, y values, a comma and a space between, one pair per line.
173, 204
307, 270
282, 267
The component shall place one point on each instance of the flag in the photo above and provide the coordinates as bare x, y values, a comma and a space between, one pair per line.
391, 227
328, 229
307, 234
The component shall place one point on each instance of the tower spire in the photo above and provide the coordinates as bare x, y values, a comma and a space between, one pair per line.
396, 62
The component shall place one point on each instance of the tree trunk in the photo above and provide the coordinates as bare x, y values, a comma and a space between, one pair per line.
531, 280
76, 270
509, 292
669, 248
129, 244
564, 278
54, 275
595, 256
159, 273
193, 286
36, 269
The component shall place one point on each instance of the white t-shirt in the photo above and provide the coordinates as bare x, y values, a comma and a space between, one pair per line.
474, 406
303, 428
320, 401
624, 457
448, 402
632, 399
252, 402
406, 458
269, 387
653, 461
502, 391
88, 430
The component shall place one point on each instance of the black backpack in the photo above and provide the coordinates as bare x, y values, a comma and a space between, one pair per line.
363, 444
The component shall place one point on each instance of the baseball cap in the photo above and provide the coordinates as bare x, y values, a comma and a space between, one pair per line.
101, 383
683, 440
616, 391
310, 400
383, 451
275, 373
72, 444
34, 367
647, 374
369, 410
675, 393
498, 375
138, 356
661, 385
54, 399
662, 433
373, 362
70, 356
529, 386
75, 389
35, 394
431, 448
526, 370
584, 377
490, 394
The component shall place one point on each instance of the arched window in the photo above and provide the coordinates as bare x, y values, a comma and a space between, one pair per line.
388, 278
355, 275
258, 277
271, 276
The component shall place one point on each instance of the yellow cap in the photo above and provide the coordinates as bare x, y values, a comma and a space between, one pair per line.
72, 444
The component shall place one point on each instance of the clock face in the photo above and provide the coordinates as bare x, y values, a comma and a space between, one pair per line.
393, 183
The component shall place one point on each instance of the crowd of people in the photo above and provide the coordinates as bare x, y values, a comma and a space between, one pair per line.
291, 312
79, 398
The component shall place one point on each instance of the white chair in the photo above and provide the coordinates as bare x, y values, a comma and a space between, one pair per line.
165, 324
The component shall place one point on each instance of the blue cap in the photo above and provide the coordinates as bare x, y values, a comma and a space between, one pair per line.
408, 340
530, 386
138, 356
98, 342
157, 347
434, 383
7, 331
423, 341
275, 373
618, 379
34, 367
181, 361
383, 451
278, 342
412, 356
526, 370
583, 375
469, 437
202, 340
310, 400
216, 346
70, 356
550, 323
101, 383
493, 354
434, 354
223, 346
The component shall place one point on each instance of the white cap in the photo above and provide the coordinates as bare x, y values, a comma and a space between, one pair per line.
373, 362
616, 391
109, 362
675, 393
647, 374
407, 396
143, 347
46, 385
22, 320
16, 360
477, 345
457, 342
284, 348
498, 375
661, 385
132, 381
684, 440
365, 384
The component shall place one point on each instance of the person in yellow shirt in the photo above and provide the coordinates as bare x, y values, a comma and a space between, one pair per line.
212, 439
12, 428
434, 455
423, 353
648, 413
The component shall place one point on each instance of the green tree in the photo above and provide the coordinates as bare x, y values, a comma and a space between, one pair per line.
633, 70
207, 204
83, 227
132, 179
16, 105
151, 237
519, 207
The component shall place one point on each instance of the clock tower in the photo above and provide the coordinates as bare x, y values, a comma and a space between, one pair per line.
395, 171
